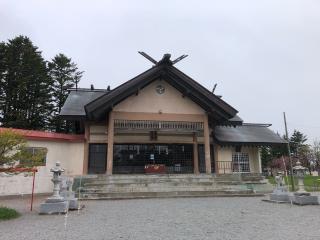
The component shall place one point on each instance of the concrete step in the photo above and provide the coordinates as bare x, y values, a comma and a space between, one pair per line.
146, 184
151, 189
135, 176
239, 179
151, 186
150, 178
134, 195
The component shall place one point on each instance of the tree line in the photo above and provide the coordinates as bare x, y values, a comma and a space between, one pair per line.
277, 157
33, 90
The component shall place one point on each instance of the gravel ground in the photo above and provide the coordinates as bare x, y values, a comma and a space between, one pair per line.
180, 218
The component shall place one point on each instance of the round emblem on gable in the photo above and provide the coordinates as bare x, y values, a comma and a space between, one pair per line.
160, 89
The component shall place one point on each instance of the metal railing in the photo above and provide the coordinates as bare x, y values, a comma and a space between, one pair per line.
157, 125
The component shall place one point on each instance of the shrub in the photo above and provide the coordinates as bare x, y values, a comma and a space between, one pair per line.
8, 213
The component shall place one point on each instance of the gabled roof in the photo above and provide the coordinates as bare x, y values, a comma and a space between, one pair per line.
250, 134
77, 99
215, 106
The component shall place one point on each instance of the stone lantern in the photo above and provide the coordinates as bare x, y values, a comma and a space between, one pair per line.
57, 170
300, 171
56, 203
280, 193
301, 197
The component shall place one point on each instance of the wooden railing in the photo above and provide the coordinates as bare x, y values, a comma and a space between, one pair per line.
232, 167
224, 166
157, 125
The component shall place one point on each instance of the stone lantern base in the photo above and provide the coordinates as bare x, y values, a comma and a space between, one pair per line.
70, 198
54, 207
280, 194
305, 199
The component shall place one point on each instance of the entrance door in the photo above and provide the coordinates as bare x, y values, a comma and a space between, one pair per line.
132, 158
97, 158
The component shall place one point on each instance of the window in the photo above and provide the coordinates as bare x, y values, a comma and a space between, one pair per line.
240, 162
34, 156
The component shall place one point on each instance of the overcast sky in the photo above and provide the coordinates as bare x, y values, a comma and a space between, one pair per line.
264, 55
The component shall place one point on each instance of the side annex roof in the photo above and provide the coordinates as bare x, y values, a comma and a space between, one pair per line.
250, 134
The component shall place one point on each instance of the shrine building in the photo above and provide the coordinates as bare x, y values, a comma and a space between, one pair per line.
163, 122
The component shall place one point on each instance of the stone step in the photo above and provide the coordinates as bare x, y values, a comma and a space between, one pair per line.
226, 182
243, 177
134, 195
149, 179
135, 176
151, 186
233, 180
151, 189
146, 184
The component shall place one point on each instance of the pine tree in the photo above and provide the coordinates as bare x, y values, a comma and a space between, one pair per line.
25, 88
297, 142
2, 77
64, 74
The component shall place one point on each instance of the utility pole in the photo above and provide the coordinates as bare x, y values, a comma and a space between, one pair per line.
289, 152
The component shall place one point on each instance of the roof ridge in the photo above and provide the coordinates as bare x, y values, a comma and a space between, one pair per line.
257, 124
210, 94
88, 90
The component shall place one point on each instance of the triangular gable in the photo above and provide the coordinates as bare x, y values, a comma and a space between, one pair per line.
148, 100
213, 105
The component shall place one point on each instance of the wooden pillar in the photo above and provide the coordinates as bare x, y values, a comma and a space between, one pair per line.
215, 154
206, 135
195, 154
110, 143
216, 162
86, 148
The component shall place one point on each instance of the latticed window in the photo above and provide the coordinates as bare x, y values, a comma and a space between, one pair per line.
240, 162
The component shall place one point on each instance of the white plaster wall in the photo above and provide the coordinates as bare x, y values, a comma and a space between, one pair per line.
254, 158
70, 155
224, 154
148, 100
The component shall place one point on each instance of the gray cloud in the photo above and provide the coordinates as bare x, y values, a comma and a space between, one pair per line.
264, 55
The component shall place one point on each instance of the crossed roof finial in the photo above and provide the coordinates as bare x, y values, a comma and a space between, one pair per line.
165, 59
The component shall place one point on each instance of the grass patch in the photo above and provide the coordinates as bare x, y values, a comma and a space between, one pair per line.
311, 183
8, 213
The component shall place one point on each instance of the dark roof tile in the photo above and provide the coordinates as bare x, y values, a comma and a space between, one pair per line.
74, 105
249, 134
